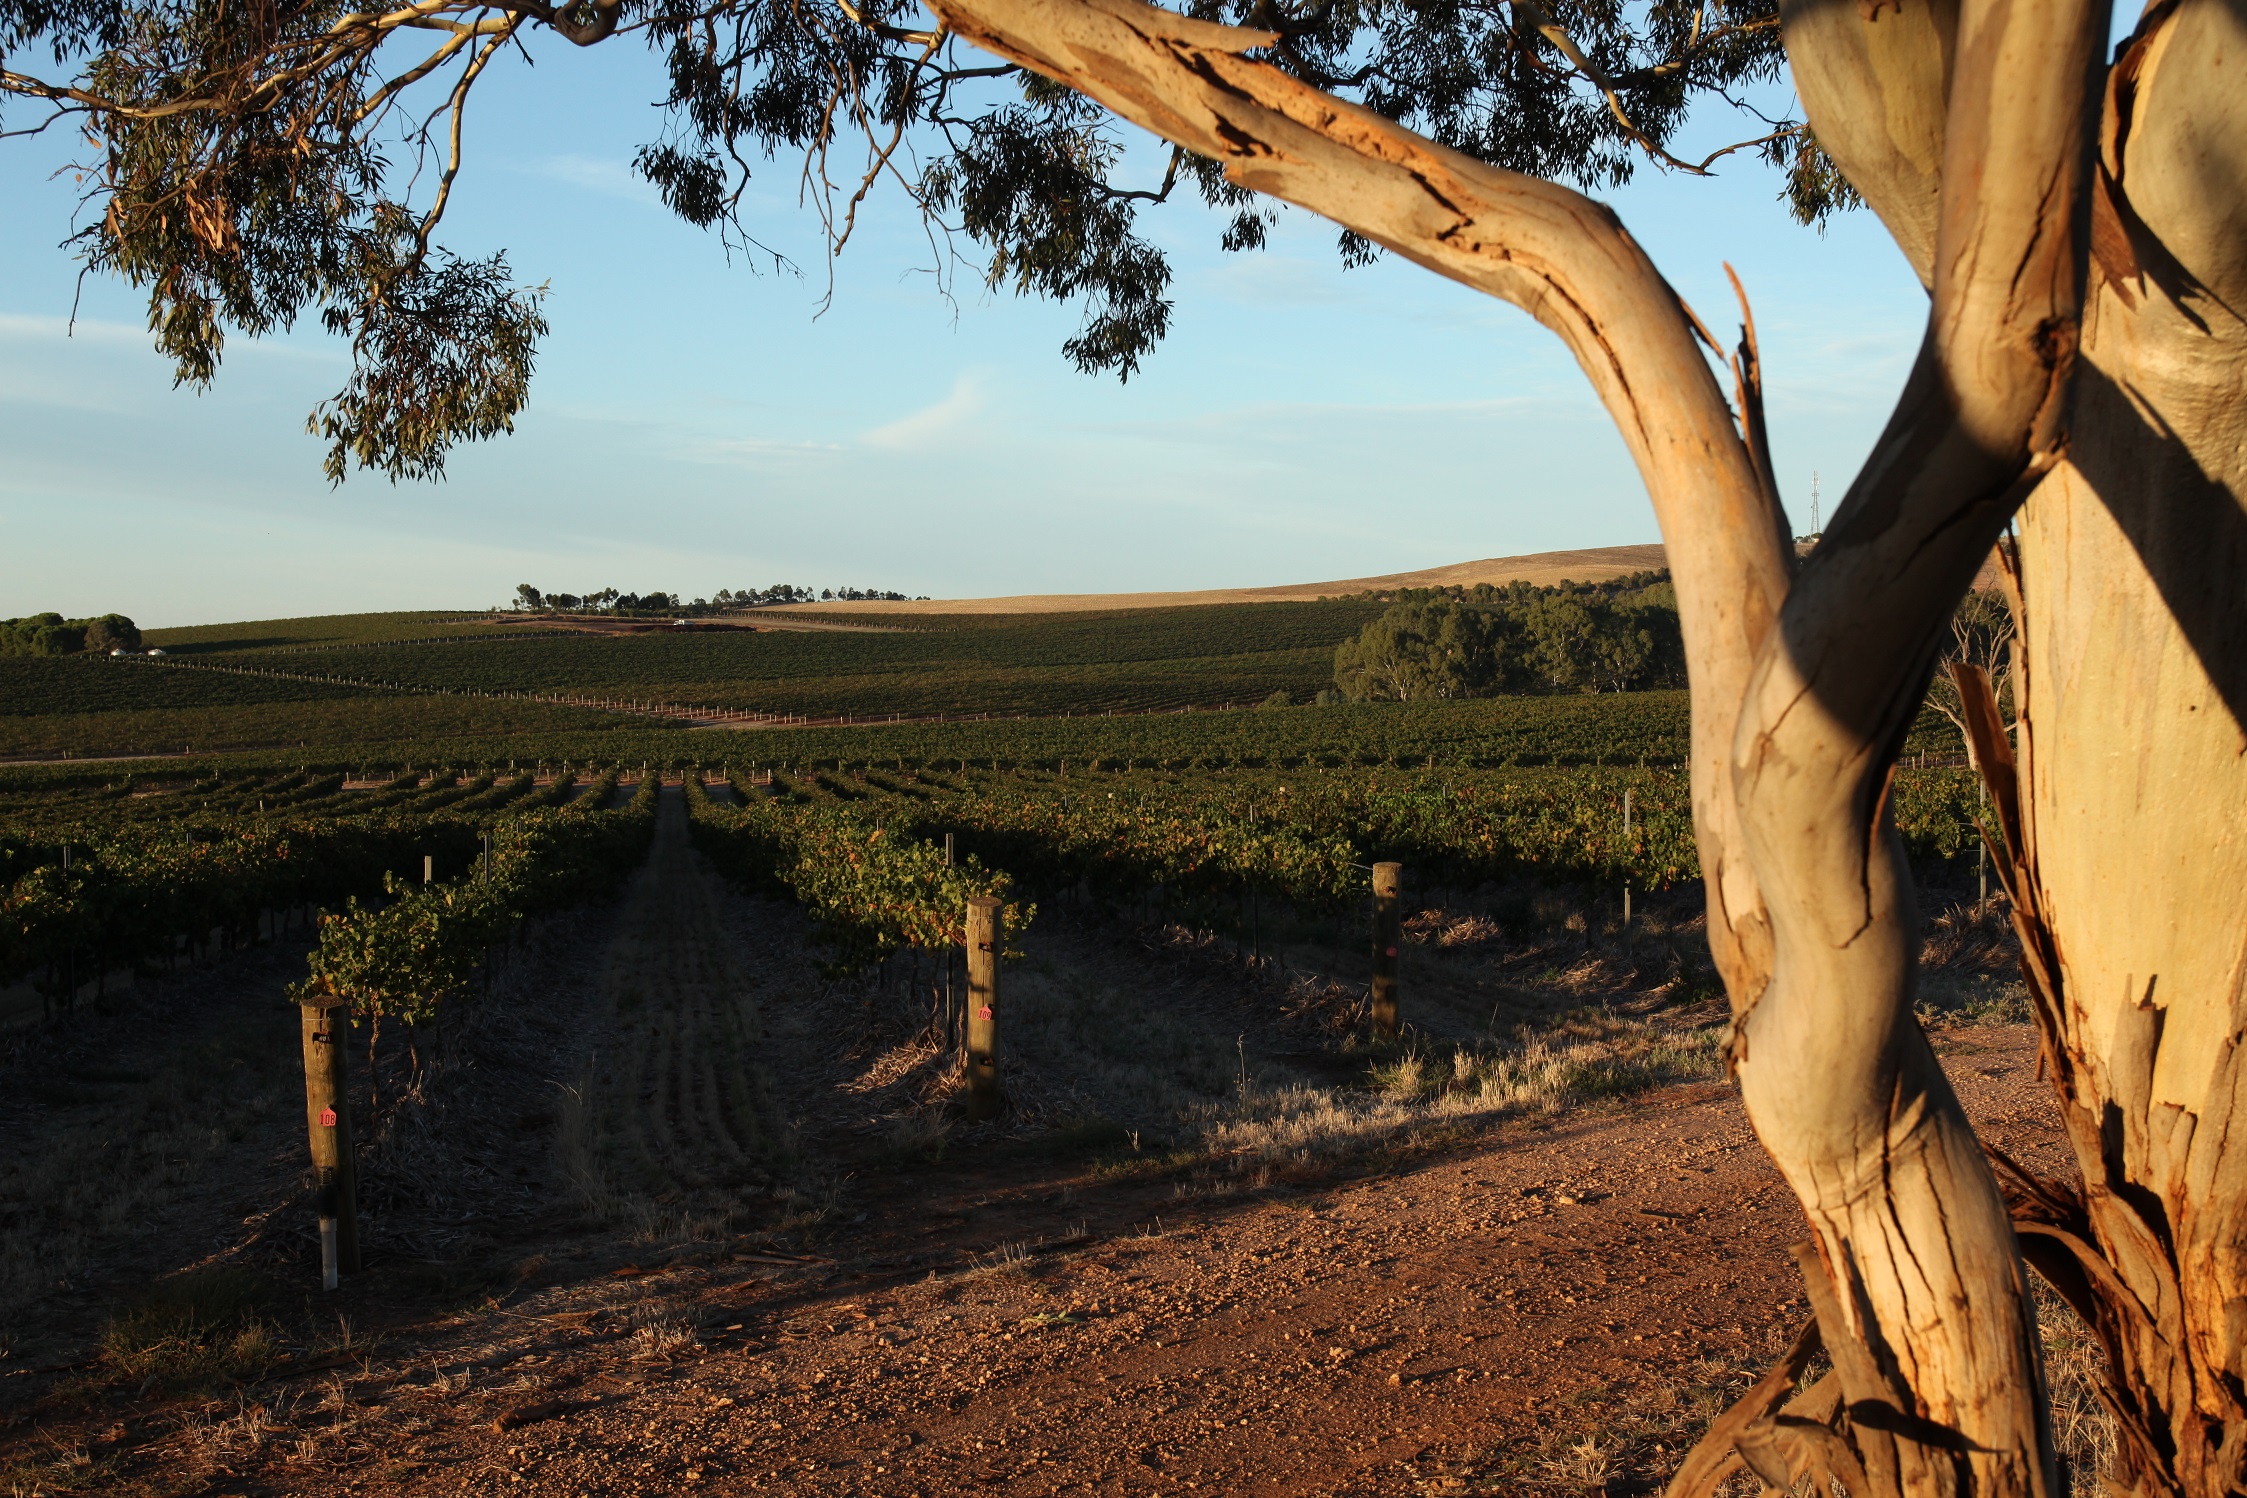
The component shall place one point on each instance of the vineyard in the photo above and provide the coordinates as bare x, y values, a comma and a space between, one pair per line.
81, 899
862, 850
658, 1039
404, 955
58, 707
884, 857
319, 631
1077, 663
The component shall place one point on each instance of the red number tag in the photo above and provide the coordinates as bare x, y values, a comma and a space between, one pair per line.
984, 1012
327, 1118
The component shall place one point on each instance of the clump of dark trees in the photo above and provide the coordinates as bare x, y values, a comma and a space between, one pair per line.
52, 634
610, 601
1486, 641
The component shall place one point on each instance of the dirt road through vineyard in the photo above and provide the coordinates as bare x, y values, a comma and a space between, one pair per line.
674, 1119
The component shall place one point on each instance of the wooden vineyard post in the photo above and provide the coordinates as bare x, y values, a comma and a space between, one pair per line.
954, 1031
428, 868
1388, 933
985, 941
327, 1117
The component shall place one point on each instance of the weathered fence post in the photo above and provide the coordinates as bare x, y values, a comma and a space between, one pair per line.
1388, 933
985, 941
428, 868
327, 1117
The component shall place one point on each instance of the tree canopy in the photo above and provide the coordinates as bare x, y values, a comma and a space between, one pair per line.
1486, 641
51, 634
249, 167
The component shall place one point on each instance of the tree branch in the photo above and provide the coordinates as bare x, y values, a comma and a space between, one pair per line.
1549, 250
1873, 80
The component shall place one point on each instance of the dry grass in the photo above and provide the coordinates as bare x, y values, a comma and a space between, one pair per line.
190, 1334
662, 1330
1187, 1059
60, 1464
1969, 968
1588, 1057
1630, 1435
2082, 1427
1623, 1436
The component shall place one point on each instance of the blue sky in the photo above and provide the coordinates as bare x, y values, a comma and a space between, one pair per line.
698, 424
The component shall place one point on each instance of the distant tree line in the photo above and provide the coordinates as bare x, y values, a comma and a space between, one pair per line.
1488, 641
610, 601
52, 634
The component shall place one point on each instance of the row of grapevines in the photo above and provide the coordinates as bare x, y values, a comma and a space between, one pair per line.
131, 898
128, 895
1308, 836
406, 957
1118, 842
872, 887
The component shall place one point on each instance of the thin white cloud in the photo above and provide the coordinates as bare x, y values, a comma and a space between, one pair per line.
752, 452
930, 425
616, 179
101, 333
1266, 278
89, 329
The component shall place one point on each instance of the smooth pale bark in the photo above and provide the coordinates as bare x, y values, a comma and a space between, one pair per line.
1809, 897
1842, 1087
2133, 693
1873, 80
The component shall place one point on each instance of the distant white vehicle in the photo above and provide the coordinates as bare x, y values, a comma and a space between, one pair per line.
152, 651
681, 624
117, 650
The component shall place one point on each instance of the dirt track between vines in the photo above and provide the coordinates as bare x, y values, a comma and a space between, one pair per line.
1550, 1305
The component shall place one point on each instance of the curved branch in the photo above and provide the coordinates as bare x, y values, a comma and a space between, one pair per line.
889, 33
1551, 251
585, 23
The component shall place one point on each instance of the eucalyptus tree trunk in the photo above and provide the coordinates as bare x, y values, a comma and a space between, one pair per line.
2130, 839
1968, 126
2123, 794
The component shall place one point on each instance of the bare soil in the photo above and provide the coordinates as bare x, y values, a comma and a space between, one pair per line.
1592, 565
673, 1214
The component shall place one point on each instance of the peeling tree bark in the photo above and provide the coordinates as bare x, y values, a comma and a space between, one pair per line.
2125, 799
2131, 846
1803, 688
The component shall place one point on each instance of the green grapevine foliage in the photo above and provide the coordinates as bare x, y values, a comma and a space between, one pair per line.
872, 887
